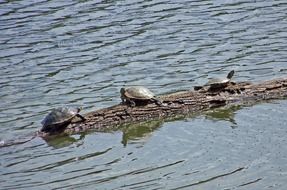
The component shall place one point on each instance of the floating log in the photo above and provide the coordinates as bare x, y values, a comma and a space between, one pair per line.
177, 104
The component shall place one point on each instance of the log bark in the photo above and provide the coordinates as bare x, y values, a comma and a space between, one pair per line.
178, 104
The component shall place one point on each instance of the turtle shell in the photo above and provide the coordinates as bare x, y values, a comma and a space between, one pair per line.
220, 82
60, 115
217, 81
139, 93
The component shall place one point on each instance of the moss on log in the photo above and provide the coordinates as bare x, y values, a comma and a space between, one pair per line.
178, 104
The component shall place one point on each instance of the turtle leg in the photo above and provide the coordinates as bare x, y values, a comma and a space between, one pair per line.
82, 117
196, 88
157, 101
132, 103
128, 101
123, 100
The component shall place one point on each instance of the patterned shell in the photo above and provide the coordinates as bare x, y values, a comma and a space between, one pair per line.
221, 81
139, 92
59, 115
217, 81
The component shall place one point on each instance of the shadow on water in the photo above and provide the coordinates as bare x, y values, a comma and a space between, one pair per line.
224, 114
64, 140
138, 131
130, 134
133, 133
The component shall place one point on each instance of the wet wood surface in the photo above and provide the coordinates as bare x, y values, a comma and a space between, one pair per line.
179, 104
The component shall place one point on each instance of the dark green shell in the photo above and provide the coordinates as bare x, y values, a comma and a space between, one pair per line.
59, 115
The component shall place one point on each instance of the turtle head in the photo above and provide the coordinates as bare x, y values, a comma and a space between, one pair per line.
79, 108
230, 74
122, 91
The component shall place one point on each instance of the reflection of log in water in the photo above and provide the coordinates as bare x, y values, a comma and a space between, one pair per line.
63, 140
179, 104
225, 113
130, 133
138, 131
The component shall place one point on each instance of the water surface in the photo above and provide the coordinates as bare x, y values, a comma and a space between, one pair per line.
80, 53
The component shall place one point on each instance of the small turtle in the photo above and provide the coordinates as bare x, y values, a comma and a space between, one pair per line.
59, 118
134, 94
214, 84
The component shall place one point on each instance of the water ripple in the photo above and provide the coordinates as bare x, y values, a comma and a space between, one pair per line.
56, 53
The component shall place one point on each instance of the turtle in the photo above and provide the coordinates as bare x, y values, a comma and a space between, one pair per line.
135, 94
216, 83
59, 118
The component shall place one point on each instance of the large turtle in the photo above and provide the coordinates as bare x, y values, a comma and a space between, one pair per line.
216, 83
59, 118
135, 94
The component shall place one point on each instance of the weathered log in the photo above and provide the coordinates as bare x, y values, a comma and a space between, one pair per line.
178, 104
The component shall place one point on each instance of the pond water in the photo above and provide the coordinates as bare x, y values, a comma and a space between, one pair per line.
80, 53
